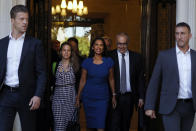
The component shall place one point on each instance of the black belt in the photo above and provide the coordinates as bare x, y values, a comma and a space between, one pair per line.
64, 85
126, 93
11, 89
185, 100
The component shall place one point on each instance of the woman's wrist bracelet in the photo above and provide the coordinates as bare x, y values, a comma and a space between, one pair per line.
113, 94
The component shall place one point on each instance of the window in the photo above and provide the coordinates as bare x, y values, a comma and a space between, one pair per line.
74, 26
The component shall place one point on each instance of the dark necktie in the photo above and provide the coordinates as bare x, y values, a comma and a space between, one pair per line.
123, 85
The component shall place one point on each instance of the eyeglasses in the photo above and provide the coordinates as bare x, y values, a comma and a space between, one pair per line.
122, 44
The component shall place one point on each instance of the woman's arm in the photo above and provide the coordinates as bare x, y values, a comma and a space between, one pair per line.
112, 86
81, 86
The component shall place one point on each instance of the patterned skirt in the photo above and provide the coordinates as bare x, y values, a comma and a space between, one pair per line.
63, 106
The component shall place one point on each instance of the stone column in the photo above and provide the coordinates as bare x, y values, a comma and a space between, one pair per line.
5, 24
185, 12
17, 124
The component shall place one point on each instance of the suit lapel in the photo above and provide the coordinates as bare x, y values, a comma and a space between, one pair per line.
24, 49
6, 48
131, 64
6, 43
117, 64
4, 59
117, 71
4, 52
174, 62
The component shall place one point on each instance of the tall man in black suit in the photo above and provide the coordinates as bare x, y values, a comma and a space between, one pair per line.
174, 76
22, 73
129, 83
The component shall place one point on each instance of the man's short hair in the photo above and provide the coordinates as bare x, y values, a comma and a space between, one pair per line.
124, 35
183, 24
73, 39
16, 9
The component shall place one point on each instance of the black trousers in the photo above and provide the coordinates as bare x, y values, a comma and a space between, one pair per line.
10, 103
181, 119
121, 115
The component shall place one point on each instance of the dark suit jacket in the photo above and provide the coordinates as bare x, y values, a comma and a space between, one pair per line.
32, 69
136, 74
166, 73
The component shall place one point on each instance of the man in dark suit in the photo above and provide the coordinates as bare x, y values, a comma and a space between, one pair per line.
22, 73
174, 76
129, 83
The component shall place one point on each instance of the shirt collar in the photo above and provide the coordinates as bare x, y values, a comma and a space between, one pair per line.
126, 53
21, 37
178, 51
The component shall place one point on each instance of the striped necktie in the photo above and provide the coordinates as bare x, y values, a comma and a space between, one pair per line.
123, 85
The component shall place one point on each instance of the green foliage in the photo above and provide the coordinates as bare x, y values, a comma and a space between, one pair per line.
84, 45
84, 41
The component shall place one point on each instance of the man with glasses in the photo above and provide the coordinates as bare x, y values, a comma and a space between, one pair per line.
129, 83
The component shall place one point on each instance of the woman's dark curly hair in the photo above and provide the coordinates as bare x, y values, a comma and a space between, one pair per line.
92, 53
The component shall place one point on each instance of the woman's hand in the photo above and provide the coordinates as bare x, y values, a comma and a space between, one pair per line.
77, 101
114, 101
140, 103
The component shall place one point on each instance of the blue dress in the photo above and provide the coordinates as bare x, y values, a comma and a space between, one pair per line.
95, 94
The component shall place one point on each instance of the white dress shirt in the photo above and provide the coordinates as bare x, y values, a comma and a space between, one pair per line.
184, 68
127, 68
13, 60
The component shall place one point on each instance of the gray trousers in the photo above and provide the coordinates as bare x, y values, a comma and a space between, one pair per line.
181, 119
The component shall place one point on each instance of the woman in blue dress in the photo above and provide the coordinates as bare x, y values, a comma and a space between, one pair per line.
97, 73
